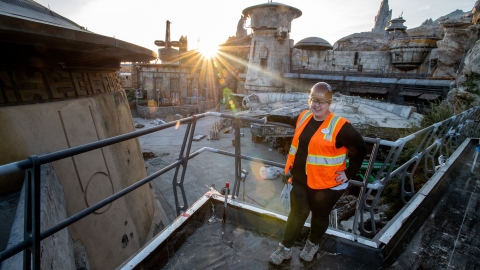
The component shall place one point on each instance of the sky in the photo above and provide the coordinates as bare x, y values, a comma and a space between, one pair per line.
141, 22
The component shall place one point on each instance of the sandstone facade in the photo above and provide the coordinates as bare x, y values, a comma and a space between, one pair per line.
454, 45
365, 41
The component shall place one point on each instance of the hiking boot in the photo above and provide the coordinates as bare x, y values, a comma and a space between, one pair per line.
280, 254
309, 251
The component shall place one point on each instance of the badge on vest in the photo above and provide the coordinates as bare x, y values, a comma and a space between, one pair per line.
325, 131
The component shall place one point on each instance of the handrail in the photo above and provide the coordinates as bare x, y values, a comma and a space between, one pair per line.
434, 138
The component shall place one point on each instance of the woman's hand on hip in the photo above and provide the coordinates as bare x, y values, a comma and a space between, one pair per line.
341, 177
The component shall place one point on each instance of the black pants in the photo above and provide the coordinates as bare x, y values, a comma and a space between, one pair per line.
303, 200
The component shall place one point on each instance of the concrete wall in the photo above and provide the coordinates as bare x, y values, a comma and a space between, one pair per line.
170, 111
126, 80
161, 77
57, 251
269, 55
90, 177
376, 61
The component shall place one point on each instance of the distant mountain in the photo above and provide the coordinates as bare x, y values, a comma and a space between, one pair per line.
432, 27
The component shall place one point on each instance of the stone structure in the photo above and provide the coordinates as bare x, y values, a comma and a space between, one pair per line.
174, 89
167, 54
181, 84
364, 41
432, 27
241, 31
409, 53
59, 90
125, 75
57, 252
476, 13
310, 47
238, 47
270, 48
354, 66
167, 84
453, 47
396, 29
383, 17
466, 89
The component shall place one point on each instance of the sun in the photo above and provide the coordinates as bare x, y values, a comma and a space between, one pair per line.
208, 50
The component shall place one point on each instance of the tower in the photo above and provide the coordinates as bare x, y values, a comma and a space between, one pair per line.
270, 48
168, 54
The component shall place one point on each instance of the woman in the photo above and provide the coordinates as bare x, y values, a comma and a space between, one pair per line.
317, 163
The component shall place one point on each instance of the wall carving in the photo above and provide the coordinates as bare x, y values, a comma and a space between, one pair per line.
19, 87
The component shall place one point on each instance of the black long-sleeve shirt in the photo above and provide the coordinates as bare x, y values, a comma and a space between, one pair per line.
347, 137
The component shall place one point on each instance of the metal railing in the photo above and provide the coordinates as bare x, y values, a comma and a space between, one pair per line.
442, 138
376, 73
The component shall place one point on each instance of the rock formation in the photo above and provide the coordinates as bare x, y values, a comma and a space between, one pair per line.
365, 41
454, 45
465, 93
383, 16
241, 31
476, 13
432, 27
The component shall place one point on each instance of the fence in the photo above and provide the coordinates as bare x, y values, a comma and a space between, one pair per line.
438, 140
365, 73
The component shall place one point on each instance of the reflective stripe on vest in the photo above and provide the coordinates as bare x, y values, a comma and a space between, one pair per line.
304, 117
331, 127
293, 150
326, 161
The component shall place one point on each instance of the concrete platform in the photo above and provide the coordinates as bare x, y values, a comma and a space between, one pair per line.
447, 240
209, 169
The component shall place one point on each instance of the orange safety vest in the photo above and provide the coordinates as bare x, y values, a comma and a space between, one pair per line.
324, 159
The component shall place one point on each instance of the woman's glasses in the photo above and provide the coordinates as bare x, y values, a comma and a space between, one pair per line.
321, 102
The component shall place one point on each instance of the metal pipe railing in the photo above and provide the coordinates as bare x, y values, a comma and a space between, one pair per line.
432, 139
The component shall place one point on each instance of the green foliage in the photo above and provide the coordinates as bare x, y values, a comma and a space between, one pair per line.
436, 114
472, 83
392, 197
130, 95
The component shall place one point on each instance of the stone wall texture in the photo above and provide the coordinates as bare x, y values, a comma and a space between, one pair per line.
87, 178
454, 45
20, 87
56, 251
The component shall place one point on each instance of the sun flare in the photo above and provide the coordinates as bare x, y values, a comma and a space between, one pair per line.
208, 50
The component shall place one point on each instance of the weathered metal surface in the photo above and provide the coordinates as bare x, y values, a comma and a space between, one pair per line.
44, 33
313, 43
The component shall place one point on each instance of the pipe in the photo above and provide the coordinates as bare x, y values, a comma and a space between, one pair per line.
226, 190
